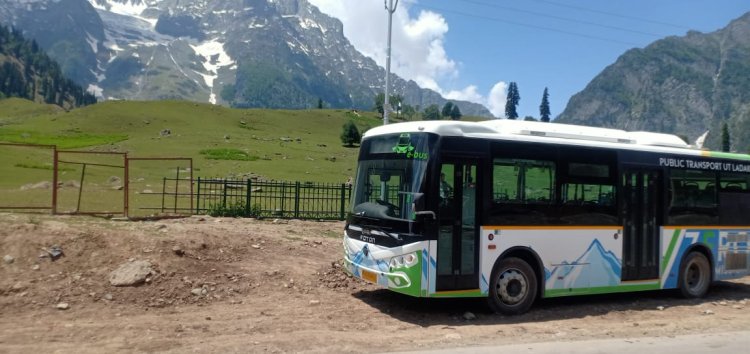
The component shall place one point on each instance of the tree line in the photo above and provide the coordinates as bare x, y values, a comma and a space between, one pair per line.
451, 111
403, 110
514, 97
27, 72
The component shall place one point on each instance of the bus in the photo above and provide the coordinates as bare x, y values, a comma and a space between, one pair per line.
515, 211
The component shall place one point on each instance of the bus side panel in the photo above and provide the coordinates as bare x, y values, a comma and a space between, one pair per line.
729, 250
585, 260
734, 255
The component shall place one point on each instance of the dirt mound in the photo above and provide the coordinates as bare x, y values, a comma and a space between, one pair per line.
243, 285
195, 261
335, 277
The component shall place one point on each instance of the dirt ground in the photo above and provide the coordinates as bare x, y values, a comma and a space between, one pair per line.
244, 285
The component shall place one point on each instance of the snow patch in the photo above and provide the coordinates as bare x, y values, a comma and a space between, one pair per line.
95, 90
214, 57
307, 23
256, 24
99, 77
92, 42
128, 8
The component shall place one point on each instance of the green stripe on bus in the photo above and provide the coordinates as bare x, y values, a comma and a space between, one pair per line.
601, 290
459, 293
728, 155
670, 249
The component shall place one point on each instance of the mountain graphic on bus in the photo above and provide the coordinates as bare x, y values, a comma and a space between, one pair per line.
595, 267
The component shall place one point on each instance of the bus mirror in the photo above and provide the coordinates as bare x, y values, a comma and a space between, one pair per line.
385, 177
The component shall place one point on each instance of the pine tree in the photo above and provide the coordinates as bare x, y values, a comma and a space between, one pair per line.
447, 109
432, 112
320, 103
726, 141
37, 77
456, 113
350, 134
512, 101
544, 107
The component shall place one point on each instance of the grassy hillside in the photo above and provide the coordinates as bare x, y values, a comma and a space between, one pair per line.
275, 144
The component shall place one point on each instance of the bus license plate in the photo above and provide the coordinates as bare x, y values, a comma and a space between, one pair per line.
369, 276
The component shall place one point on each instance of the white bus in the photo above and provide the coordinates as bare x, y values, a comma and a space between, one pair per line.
515, 211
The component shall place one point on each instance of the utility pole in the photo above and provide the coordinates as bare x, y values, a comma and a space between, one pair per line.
391, 8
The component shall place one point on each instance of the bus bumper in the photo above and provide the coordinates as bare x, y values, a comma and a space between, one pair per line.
398, 269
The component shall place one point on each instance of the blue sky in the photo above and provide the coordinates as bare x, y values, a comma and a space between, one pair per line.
471, 49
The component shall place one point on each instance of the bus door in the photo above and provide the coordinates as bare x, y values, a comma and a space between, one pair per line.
641, 205
457, 258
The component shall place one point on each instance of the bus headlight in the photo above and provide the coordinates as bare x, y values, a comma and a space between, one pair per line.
406, 261
410, 259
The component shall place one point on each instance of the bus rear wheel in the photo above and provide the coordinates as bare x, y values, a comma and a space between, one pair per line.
695, 275
513, 286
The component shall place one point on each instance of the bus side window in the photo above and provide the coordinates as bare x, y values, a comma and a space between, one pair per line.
505, 182
523, 181
694, 197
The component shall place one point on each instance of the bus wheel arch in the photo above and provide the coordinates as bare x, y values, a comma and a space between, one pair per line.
696, 272
514, 282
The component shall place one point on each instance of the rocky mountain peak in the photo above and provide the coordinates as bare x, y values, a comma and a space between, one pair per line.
251, 53
681, 85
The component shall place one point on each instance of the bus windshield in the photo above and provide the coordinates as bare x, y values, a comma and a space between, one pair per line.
391, 171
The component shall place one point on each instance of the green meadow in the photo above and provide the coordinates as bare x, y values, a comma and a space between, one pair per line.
290, 145
297, 145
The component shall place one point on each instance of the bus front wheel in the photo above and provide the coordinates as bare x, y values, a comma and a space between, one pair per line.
695, 275
513, 286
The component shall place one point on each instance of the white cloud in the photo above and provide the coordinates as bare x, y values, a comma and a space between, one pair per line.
496, 100
469, 93
418, 51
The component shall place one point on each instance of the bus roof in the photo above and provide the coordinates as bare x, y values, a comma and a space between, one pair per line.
554, 133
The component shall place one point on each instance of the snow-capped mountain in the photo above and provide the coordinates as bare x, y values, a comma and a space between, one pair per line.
595, 267
247, 53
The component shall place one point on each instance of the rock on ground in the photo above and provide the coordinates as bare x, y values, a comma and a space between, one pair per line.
130, 273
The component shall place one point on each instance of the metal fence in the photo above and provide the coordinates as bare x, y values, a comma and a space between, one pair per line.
278, 199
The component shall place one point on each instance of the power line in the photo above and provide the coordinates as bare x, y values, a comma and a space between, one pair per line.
635, 18
495, 5
496, 19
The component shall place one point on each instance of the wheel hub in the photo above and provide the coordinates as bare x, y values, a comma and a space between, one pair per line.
512, 286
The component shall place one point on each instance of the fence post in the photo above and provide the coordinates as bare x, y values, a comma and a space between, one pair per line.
283, 196
296, 200
343, 200
55, 166
126, 187
224, 197
247, 198
163, 192
80, 188
176, 189
250, 195
198, 198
